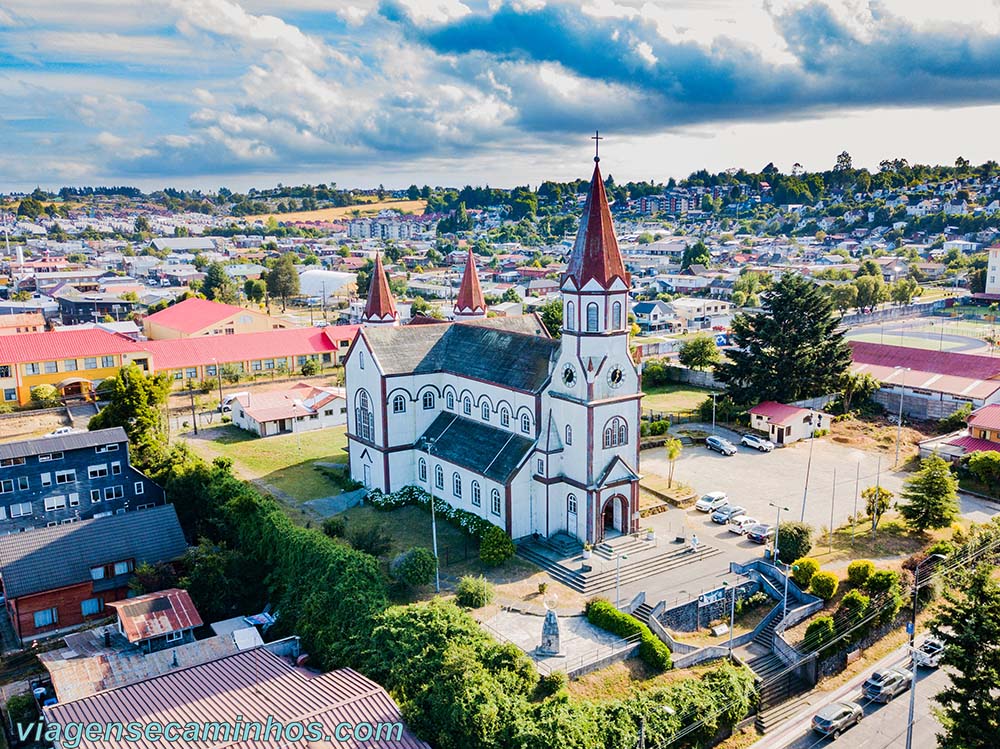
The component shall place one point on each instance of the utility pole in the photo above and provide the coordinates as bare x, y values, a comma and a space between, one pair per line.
833, 499
194, 416
854, 518
899, 424
809, 460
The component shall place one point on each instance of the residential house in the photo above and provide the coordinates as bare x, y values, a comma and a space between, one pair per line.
24, 322
201, 317
157, 621
301, 408
784, 424
652, 316
542, 287
93, 306
59, 577
962, 245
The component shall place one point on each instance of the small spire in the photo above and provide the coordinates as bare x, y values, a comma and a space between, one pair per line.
470, 301
381, 307
596, 137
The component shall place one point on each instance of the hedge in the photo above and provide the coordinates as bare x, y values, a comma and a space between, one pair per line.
824, 585
652, 650
859, 571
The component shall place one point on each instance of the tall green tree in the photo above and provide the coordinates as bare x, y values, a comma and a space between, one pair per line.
254, 290
695, 254
930, 496
872, 291
699, 353
218, 286
788, 351
135, 403
844, 296
552, 317
877, 500
969, 626
283, 279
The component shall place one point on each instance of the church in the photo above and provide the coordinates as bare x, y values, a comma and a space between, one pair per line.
535, 434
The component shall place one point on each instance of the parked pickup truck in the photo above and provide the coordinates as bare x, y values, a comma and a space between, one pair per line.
929, 654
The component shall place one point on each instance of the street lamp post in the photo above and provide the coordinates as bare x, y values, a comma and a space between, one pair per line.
618, 579
784, 609
714, 396
428, 446
732, 618
913, 635
777, 528
899, 424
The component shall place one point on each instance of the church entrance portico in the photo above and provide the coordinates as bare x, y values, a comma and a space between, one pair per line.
614, 517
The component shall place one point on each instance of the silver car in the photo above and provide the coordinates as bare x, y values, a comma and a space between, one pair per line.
757, 443
836, 718
712, 502
886, 683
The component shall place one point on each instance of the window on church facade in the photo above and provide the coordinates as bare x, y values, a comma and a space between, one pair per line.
422, 469
569, 435
467, 406
449, 401
570, 316
592, 313
616, 315
477, 495
504, 417
399, 404
525, 423
615, 433
439, 477
571, 503
485, 410
456, 485
361, 359
363, 417
428, 401
495, 501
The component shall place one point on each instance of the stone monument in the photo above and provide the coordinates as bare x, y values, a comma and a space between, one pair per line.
550, 634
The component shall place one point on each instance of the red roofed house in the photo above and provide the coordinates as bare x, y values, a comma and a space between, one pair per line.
157, 620
785, 424
301, 408
200, 317
982, 434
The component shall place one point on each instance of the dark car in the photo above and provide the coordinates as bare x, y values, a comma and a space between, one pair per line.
886, 683
725, 514
836, 718
761, 534
720, 445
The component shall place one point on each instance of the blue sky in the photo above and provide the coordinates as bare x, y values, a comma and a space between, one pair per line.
202, 93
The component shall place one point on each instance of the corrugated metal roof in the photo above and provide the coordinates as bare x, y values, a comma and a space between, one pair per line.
778, 413
987, 417
939, 362
62, 443
19, 348
49, 558
156, 614
249, 686
974, 444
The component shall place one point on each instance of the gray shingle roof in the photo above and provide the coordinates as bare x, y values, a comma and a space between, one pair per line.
480, 448
49, 558
510, 351
65, 442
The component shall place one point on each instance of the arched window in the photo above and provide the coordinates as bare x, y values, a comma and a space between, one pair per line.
456, 484
570, 321
399, 404
616, 315
364, 419
449, 401
525, 423
467, 406
439, 477
428, 400
571, 503
485, 410
569, 435
361, 359
504, 417
592, 312
495, 501
477, 495
615, 433
422, 469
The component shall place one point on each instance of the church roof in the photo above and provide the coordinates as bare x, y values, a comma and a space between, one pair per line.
493, 453
381, 305
470, 295
595, 255
513, 352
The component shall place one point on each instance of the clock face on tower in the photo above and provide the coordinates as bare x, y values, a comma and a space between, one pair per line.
569, 375
616, 377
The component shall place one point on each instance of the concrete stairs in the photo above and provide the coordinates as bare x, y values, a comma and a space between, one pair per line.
781, 692
642, 612
624, 545
766, 636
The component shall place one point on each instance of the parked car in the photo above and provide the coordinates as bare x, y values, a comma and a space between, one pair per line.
720, 445
929, 654
886, 683
742, 524
761, 533
836, 718
712, 502
726, 514
62, 431
227, 403
757, 443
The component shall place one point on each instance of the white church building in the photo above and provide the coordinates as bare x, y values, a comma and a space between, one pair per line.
536, 435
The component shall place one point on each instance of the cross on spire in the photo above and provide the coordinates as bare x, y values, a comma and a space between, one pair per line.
596, 137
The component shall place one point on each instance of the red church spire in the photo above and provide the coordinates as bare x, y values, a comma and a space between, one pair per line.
595, 254
381, 307
470, 301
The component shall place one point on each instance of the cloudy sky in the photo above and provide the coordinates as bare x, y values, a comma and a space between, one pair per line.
201, 93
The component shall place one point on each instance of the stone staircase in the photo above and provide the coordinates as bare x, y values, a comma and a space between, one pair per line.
782, 693
766, 636
642, 612
622, 545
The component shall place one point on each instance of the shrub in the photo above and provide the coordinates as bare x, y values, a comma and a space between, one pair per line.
859, 571
854, 605
309, 368
794, 541
371, 539
942, 547
44, 396
819, 632
473, 592
414, 567
824, 585
335, 527
803, 571
657, 428
652, 650
882, 581
495, 547
550, 684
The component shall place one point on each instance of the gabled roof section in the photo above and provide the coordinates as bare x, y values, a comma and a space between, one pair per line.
194, 314
617, 471
987, 417
595, 255
381, 306
470, 299
480, 448
157, 614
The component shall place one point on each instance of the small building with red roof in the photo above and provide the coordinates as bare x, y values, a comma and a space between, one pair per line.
196, 317
301, 408
784, 424
157, 620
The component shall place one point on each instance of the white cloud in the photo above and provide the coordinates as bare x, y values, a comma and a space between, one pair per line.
102, 110
435, 11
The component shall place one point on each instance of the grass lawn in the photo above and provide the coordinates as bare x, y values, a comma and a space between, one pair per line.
893, 539
284, 462
673, 398
624, 679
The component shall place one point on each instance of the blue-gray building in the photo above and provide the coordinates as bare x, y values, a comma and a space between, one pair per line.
70, 477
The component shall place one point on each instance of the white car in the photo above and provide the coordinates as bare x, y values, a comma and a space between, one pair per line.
757, 443
712, 502
62, 431
741, 524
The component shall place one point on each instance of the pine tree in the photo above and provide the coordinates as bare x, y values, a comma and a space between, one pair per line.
930, 496
135, 403
218, 286
790, 351
283, 279
969, 627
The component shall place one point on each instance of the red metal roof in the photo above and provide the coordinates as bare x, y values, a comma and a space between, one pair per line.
987, 417
974, 444
595, 254
156, 614
190, 352
48, 346
381, 306
778, 413
470, 295
194, 314
939, 362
